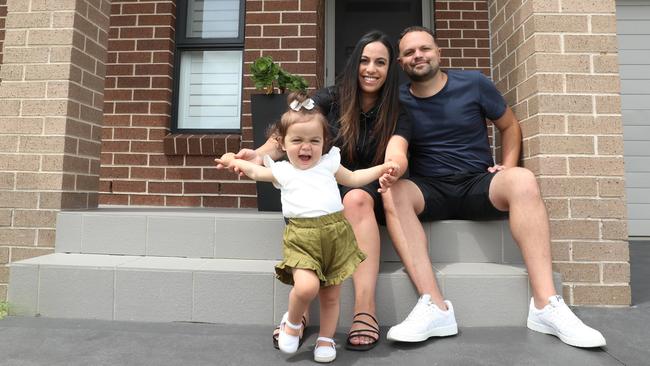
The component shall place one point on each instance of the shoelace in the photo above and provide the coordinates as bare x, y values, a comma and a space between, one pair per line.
420, 310
561, 314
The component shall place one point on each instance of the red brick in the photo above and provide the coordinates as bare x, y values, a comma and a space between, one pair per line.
165, 187
248, 202
164, 57
253, 30
147, 200
161, 82
134, 82
220, 201
183, 173
130, 133
147, 173
160, 108
141, 8
114, 172
128, 186
147, 146
263, 43
474, 15
117, 120
113, 199
284, 5
119, 69
280, 30
154, 20
238, 188
152, 94
168, 8
151, 121
131, 107
136, 32
185, 201
164, 32
121, 45
440, 15
299, 17
200, 187
112, 94
461, 5
298, 42
123, 20
199, 161
154, 69
262, 18
130, 159
165, 160
115, 146
154, 44
462, 24
134, 57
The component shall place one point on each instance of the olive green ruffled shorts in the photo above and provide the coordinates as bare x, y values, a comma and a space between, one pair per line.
325, 245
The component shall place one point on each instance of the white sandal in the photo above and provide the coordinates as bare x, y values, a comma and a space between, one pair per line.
325, 353
286, 342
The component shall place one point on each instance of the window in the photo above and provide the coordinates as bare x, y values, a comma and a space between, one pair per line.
209, 61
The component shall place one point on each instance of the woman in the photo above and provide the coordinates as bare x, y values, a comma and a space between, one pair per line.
366, 123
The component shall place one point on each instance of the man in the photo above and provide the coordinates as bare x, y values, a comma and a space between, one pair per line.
453, 176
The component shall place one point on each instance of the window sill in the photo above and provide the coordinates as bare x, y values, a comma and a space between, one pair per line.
201, 145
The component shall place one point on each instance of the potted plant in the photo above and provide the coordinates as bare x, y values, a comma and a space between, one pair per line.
266, 109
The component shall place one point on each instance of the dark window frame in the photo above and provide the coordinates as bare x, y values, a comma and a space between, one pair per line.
184, 43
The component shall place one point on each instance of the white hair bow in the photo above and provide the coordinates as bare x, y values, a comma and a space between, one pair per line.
308, 104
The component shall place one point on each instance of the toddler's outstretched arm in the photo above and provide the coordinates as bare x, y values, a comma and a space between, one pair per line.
362, 177
252, 170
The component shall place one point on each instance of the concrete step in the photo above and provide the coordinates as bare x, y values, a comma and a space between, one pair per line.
236, 291
249, 234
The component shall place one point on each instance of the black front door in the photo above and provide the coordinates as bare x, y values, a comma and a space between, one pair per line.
353, 18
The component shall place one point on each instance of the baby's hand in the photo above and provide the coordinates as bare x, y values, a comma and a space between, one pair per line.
390, 176
225, 161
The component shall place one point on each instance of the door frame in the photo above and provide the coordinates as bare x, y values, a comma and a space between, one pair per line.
428, 17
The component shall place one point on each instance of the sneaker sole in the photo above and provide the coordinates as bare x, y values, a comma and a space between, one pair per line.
447, 331
532, 325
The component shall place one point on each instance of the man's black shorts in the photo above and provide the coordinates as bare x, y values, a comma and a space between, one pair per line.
457, 197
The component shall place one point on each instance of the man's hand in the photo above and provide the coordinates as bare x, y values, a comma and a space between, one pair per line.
496, 168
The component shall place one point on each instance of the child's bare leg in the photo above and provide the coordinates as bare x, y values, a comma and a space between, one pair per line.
305, 289
329, 310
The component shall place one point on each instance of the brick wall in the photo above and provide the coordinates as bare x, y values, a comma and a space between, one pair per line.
557, 64
51, 97
141, 163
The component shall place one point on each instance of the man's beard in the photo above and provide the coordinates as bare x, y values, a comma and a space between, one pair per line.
414, 76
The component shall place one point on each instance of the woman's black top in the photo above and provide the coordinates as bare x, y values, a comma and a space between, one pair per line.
327, 101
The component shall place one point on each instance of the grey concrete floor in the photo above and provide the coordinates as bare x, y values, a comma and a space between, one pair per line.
41, 341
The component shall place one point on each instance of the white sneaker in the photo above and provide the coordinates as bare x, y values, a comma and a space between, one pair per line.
557, 319
425, 320
325, 353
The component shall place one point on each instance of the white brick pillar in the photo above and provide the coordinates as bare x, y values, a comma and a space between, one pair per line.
51, 100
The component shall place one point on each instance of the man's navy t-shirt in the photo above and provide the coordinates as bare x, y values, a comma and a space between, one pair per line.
449, 134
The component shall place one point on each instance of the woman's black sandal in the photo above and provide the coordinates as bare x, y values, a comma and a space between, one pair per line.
370, 332
276, 333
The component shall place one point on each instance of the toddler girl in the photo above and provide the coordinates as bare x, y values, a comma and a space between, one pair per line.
319, 247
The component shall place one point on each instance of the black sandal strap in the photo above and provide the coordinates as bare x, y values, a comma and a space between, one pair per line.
366, 314
366, 324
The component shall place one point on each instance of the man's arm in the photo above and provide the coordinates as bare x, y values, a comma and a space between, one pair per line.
508, 125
